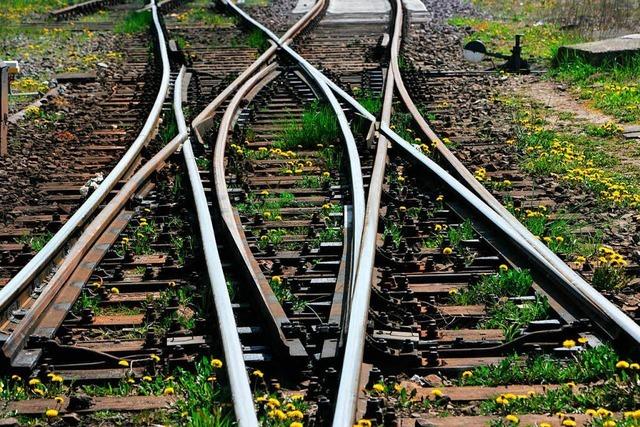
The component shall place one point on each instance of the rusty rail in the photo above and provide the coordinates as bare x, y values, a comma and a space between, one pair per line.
84, 7
236, 369
610, 316
357, 186
29, 272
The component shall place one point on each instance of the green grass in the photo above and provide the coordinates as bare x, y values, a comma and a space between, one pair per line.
539, 41
611, 87
510, 283
257, 40
318, 125
36, 242
592, 364
613, 395
201, 400
372, 104
135, 22
511, 317
609, 278
578, 159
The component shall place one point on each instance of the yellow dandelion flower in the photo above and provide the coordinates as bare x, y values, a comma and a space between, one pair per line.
622, 364
378, 387
51, 413
512, 419
59, 399
447, 251
147, 378
437, 392
34, 381
258, 373
295, 415
467, 374
123, 363
503, 267
216, 363
115, 290
168, 391
568, 343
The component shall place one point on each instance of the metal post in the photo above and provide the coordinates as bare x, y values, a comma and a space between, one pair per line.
4, 107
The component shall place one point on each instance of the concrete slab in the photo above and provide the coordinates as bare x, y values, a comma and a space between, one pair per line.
414, 6
303, 6
416, 11
359, 7
617, 49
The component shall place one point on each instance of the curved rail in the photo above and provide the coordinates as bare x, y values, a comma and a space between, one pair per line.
346, 401
485, 204
355, 169
236, 369
30, 271
564, 274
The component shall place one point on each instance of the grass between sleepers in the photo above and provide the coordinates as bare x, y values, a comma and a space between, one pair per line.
135, 22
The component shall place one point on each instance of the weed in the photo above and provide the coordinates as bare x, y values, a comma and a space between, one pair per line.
284, 293
331, 234
183, 246
459, 233
510, 283
169, 128
36, 242
392, 229
257, 40
588, 365
511, 317
135, 22
611, 86
273, 236
610, 128
309, 182
609, 278
319, 125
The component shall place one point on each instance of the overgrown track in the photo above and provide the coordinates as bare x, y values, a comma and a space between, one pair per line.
433, 302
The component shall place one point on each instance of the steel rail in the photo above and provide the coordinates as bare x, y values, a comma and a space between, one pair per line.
583, 289
565, 274
203, 119
347, 399
534, 248
30, 271
355, 169
235, 366
269, 305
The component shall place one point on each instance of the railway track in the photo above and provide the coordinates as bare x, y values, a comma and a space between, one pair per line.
432, 307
